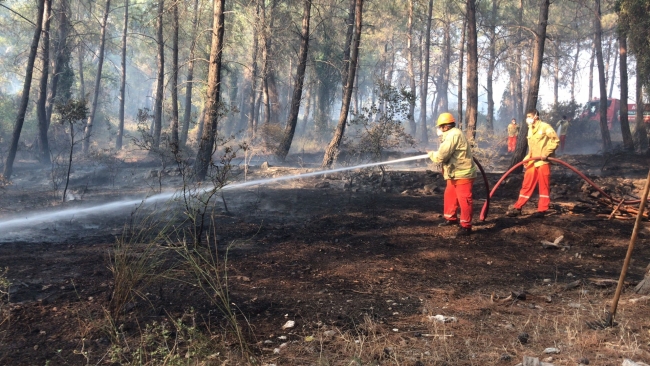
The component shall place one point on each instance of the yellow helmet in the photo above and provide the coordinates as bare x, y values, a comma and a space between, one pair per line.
445, 118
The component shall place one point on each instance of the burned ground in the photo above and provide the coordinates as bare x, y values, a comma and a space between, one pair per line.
362, 269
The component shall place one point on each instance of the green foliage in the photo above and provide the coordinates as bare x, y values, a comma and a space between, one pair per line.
73, 111
555, 112
8, 108
373, 131
66, 81
168, 342
634, 20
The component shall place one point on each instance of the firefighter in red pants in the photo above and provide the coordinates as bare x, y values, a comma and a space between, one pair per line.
513, 132
459, 171
542, 142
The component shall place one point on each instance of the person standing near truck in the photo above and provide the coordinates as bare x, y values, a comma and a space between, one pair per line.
562, 128
513, 131
459, 170
542, 143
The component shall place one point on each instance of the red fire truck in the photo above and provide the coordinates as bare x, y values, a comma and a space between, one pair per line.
591, 112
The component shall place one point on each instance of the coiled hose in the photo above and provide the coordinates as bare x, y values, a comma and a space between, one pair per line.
486, 206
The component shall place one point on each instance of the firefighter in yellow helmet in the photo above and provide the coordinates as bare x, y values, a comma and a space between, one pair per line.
459, 171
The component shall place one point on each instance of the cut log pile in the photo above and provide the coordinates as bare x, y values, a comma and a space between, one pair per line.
593, 201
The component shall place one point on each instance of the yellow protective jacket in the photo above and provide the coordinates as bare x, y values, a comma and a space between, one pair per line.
542, 141
455, 154
513, 130
565, 126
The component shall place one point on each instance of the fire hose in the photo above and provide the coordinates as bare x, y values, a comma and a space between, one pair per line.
486, 206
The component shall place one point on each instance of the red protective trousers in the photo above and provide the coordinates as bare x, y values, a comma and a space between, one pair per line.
512, 143
534, 176
459, 194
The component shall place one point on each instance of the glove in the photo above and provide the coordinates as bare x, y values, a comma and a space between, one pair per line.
432, 155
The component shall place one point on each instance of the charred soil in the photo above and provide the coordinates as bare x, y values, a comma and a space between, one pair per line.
359, 266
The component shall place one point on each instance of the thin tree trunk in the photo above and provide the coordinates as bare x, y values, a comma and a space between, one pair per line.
591, 70
411, 70
98, 78
556, 75
491, 66
640, 132
628, 142
120, 128
67, 176
160, 79
574, 70
332, 149
252, 126
174, 81
24, 98
604, 130
443, 85
292, 120
62, 54
265, 65
519, 92
211, 118
533, 87
611, 82
348, 43
461, 67
43, 146
82, 83
471, 113
307, 110
424, 133
187, 115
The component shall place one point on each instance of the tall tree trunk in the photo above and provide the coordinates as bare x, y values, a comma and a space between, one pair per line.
82, 83
24, 97
252, 124
292, 120
62, 54
519, 92
211, 118
269, 88
604, 130
491, 65
348, 43
333, 147
640, 132
556, 74
574, 70
98, 78
461, 68
591, 70
443, 86
265, 65
411, 69
628, 142
307, 109
187, 114
424, 133
471, 113
533, 87
174, 81
611, 82
43, 146
120, 128
160, 79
